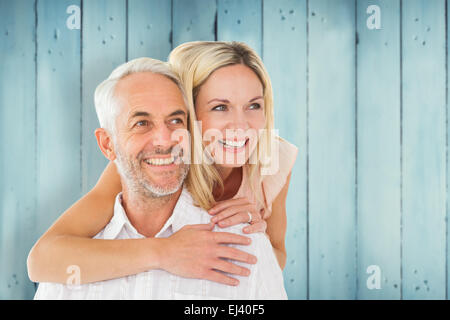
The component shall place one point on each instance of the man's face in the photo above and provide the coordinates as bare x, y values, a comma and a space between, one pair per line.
152, 108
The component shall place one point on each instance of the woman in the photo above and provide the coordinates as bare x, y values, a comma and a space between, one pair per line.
231, 92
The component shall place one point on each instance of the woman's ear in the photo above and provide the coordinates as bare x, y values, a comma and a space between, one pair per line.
105, 142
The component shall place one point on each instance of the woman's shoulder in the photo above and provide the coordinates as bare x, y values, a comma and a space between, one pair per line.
287, 148
285, 155
283, 159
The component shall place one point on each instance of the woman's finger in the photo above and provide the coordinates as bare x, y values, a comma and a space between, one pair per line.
222, 205
241, 217
259, 226
228, 212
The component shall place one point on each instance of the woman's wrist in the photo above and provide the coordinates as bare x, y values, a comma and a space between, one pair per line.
154, 253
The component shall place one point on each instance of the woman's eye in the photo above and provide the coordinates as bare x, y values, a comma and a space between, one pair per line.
221, 107
255, 106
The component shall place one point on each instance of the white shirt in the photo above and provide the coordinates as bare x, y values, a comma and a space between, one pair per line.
265, 280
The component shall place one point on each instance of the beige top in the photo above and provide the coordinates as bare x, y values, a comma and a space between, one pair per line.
273, 183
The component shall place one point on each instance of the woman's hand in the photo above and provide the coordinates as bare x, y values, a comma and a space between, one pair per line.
195, 251
234, 211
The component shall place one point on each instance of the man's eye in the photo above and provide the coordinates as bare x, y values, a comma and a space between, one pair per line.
141, 123
221, 107
255, 106
177, 121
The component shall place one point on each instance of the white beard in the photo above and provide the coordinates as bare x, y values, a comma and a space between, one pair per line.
137, 183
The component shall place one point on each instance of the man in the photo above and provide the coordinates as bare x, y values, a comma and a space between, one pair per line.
141, 105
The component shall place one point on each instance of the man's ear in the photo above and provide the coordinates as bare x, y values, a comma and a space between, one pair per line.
105, 142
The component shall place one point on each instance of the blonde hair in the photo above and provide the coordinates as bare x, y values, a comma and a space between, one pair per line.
194, 62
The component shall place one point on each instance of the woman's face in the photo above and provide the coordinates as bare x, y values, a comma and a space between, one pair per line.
230, 106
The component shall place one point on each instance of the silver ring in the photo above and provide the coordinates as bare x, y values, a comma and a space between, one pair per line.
249, 217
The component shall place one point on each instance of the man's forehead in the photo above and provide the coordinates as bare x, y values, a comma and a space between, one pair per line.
146, 82
150, 91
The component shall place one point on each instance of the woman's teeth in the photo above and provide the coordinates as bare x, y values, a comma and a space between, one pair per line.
160, 161
234, 144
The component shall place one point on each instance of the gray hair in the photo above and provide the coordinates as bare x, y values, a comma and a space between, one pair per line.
107, 105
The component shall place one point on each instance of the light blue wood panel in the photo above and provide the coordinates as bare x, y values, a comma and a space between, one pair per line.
104, 49
448, 163
58, 112
331, 122
284, 46
17, 146
378, 158
424, 150
193, 21
241, 20
149, 29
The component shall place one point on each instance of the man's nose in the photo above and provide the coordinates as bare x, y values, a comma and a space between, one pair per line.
162, 136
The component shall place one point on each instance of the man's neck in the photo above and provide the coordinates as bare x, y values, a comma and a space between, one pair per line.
148, 214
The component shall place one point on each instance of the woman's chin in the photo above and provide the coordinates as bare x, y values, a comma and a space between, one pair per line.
237, 165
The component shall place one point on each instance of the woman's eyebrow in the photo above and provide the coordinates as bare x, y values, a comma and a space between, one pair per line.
226, 101
219, 100
256, 98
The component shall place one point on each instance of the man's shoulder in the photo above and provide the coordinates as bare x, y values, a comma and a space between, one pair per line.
191, 214
187, 213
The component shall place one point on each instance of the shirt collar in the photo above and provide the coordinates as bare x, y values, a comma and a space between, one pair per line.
183, 214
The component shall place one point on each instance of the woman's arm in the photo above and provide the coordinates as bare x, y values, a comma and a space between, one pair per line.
194, 250
67, 242
277, 223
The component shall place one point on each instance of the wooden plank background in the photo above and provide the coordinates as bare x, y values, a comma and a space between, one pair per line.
367, 109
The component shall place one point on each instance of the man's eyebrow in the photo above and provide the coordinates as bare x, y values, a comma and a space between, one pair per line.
178, 113
140, 114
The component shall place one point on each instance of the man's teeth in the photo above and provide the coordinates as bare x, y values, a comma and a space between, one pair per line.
235, 144
160, 161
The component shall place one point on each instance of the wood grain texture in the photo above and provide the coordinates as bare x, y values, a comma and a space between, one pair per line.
103, 49
378, 158
193, 21
285, 50
240, 20
17, 146
58, 112
332, 230
149, 29
424, 150
367, 109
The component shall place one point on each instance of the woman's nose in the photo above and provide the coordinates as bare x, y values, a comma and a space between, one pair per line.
238, 121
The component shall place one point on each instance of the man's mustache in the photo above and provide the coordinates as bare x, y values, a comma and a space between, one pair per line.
176, 151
